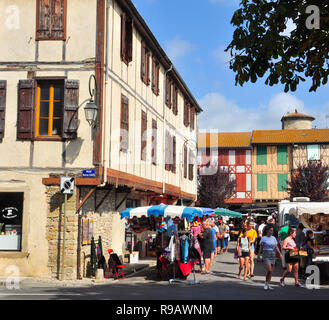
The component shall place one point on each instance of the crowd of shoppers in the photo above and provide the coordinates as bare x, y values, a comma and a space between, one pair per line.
271, 243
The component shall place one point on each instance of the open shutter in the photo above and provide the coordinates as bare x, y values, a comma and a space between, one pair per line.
191, 166
25, 119
129, 39
123, 36
154, 141
192, 115
173, 167
185, 162
57, 20
143, 136
124, 124
175, 100
43, 19
71, 106
3, 87
143, 61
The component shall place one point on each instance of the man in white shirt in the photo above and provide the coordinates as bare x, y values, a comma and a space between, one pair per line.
226, 237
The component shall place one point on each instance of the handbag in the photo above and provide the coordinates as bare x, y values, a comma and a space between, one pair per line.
237, 253
293, 253
303, 253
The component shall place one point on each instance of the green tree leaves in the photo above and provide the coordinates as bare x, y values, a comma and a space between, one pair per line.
260, 46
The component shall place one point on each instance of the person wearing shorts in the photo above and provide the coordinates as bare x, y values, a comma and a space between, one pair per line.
268, 246
220, 237
244, 243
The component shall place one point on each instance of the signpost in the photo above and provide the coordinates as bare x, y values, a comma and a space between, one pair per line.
67, 187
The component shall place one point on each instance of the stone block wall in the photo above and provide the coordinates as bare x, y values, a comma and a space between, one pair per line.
107, 224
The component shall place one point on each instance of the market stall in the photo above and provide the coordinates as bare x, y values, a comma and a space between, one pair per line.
315, 216
233, 217
175, 247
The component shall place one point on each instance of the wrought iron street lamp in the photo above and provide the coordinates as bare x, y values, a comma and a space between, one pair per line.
91, 108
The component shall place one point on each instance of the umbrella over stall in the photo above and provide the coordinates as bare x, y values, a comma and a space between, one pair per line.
227, 212
166, 211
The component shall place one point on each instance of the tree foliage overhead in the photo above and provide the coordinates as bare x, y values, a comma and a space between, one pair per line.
214, 189
310, 181
260, 47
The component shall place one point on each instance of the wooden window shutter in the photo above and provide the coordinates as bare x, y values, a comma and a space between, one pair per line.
167, 164
3, 89
174, 155
143, 136
175, 100
129, 39
124, 136
168, 92
143, 54
186, 113
157, 71
191, 166
192, 117
25, 121
185, 162
154, 141
71, 109
57, 22
123, 36
51, 20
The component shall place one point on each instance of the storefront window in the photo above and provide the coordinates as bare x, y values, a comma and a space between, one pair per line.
11, 217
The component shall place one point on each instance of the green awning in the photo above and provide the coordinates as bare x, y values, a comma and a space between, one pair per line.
227, 212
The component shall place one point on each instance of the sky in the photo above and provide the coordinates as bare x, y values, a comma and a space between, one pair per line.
194, 35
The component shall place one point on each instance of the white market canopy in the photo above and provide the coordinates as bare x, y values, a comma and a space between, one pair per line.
310, 208
308, 213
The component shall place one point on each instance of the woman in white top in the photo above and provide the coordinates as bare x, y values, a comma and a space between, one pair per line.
268, 245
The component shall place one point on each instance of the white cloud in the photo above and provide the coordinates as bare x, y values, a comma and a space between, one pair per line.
177, 48
226, 115
221, 56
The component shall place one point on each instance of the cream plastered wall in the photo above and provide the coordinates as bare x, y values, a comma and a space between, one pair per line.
30, 260
297, 124
126, 80
71, 58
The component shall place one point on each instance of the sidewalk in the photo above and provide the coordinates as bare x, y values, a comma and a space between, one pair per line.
129, 271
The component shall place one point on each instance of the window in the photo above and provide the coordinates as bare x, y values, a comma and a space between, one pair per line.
143, 136
186, 113
124, 124
49, 116
175, 100
3, 87
261, 182
168, 92
261, 155
282, 154
52, 114
131, 203
155, 76
11, 217
282, 182
313, 152
126, 38
154, 141
51, 20
240, 157
145, 64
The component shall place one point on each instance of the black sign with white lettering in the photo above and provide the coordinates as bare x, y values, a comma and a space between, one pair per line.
11, 207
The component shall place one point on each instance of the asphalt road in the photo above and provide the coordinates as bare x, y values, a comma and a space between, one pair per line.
221, 284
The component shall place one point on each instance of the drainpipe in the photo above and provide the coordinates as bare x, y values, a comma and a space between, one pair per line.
164, 131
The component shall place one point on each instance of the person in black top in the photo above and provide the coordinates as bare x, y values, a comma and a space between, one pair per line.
309, 242
207, 245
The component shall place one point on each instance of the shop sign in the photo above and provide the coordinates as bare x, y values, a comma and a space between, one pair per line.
9, 213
